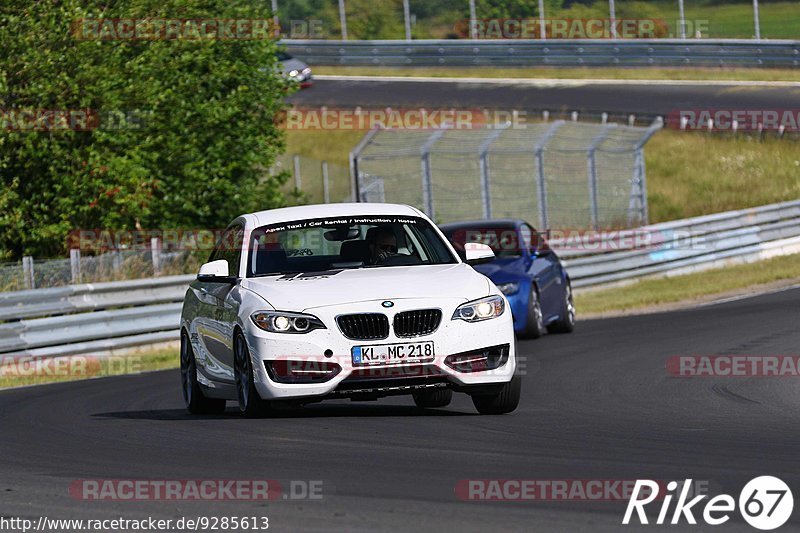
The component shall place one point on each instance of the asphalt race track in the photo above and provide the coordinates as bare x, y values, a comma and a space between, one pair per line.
647, 99
597, 404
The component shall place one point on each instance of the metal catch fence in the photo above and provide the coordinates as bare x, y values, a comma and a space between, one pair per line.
558, 174
319, 181
117, 265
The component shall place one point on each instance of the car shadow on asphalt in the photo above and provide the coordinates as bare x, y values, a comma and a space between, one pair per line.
315, 411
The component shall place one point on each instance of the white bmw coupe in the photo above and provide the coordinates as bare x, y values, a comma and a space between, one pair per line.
358, 301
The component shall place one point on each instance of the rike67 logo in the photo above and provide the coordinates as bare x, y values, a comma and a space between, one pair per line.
765, 503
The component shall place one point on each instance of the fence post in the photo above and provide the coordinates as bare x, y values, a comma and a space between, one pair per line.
542, 28
643, 188
407, 19
355, 184
592, 187
756, 21
541, 186
427, 181
486, 196
155, 253
326, 190
75, 265
296, 170
612, 18
343, 19
473, 22
27, 272
592, 167
639, 178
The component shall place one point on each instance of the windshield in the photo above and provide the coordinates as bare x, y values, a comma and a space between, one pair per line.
318, 245
504, 241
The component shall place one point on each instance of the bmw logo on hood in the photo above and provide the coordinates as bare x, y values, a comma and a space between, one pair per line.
387, 303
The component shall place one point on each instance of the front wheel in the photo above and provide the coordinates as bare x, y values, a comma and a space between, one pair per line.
193, 397
566, 320
501, 403
251, 404
430, 399
534, 323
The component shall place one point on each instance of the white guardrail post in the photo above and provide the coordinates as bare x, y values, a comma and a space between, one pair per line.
27, 272
75, 265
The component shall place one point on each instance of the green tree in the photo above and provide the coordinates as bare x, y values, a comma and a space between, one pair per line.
198, 133
515, 8
375, 19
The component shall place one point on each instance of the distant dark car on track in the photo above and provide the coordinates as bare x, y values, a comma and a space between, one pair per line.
296, 70
525, 269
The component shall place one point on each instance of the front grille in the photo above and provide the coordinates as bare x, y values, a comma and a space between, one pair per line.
364, 326
417, 322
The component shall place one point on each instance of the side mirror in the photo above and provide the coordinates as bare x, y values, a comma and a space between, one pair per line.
217, 271
542, 252
477, 253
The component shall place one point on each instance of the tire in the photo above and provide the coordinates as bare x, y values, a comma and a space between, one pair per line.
534, 322
431, 399
193, 397
501, 403
566, 321
250, 402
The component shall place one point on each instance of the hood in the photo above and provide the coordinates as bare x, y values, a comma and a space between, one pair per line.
503, 268
300, 292
289, 65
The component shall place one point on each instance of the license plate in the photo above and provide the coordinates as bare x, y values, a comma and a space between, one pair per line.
385, 354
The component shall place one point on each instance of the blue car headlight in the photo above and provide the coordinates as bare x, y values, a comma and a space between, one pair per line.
478, 310
508, 288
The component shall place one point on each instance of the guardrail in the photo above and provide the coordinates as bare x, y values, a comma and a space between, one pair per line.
552, 52
683, 246
98, 318
91, 318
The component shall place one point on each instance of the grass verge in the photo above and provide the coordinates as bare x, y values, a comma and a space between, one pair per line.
72, 368
691, 173
690, 287
566, 73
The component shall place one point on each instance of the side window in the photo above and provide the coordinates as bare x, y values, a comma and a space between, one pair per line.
229, 247
526, 233
538, 240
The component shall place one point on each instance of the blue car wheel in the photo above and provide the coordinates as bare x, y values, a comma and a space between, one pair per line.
566, 319
534, 322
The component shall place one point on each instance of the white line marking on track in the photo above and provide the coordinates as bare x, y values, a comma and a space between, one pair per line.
555, 82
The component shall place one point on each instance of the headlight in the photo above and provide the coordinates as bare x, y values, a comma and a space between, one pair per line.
508, 288
281, 322
307, 70
483, 309
293, 74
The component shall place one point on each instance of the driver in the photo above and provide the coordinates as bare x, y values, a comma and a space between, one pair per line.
382, 244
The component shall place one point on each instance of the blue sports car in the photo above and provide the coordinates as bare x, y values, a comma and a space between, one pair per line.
525, 269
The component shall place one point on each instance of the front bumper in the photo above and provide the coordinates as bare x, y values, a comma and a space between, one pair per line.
518, 304
451, 337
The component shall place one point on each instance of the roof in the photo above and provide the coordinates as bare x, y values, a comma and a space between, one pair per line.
483, 224
304, 212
